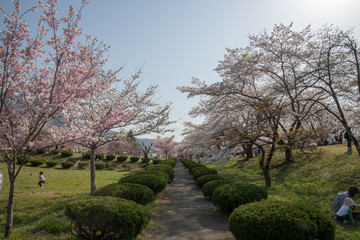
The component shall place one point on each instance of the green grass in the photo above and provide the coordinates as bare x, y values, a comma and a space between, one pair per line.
39, 212
316, 181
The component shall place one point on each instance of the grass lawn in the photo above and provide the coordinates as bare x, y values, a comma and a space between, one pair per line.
39, 212
316, 181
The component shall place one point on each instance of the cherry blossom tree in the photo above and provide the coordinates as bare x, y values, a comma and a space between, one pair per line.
43, 78
165, 147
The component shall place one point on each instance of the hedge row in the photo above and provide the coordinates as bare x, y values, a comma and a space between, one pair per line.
252, 216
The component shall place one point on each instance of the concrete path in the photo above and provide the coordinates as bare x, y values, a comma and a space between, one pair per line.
186, 215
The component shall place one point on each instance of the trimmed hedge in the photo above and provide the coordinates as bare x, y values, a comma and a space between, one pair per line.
107, 218
156, 161
122, 158
275, 220
201, 172
52, 163
207, 178
168, 162
21, 159
100, 165
37, 162
230, 196
164, 168
55, 152
86, 155
67, 165
192, 170
99, 156
134, 159
110, 157
158, 173
41, 151
66, 153
209, 187
83, 164
131, 191
155, 183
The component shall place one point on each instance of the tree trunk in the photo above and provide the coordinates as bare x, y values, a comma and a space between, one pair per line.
10, 207
92, 170
289, 157
248, 150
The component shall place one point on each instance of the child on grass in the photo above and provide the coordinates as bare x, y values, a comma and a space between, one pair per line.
345, 212
41, 179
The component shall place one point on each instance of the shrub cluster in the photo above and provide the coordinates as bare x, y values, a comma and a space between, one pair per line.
86, 155
230, 196
122, 158
154, 182
41, 151
52, 163
207, 178
67, 165
37, 162
280, 221
99, 156
110, 157
66, 153
131, 191
55, 152
107, 218
21, 160
202, 172
100, 165
209, 187
163, 168
83, 164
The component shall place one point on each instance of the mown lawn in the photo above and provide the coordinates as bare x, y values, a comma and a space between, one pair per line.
39, 212
316, 180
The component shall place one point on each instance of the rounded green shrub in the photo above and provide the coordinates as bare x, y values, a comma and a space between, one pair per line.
156, 161
201, 172
131, 191
55, 152
83, 164
134, 159
99, 156
21, 160
52, 163
110, 157
275, 220
209, 187
107, 218
164, 168
168, 162
122, 158
230, 196
86, 155
155, 183
37, 162
157, 172
67, 165
207, 178
66, 153
41, 151
192, 170
100, 165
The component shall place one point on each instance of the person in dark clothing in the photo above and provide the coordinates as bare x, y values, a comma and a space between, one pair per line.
348, 139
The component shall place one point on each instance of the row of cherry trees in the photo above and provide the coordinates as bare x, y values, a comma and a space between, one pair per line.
54, 89
286, 90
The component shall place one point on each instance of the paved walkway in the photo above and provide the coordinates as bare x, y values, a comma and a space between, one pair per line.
186, 215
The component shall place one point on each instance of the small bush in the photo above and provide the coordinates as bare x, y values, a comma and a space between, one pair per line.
37, 162
201, 172
131, 191
86, 155
280, 221
207, 178
155, 183
100, 165
107, 218
100, 156
122, 158
55, 152
53, 225
20, 160
156, 161
66, 153
134, 159
158, 173
83, 164
230, 196
164, 168
52, 163
110, 157
41, 151
209, 187
67, 165
192, 170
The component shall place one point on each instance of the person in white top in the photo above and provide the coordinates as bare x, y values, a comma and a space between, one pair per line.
41, 179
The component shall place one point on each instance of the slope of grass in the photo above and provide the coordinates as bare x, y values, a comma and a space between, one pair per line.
316, 180
39, 212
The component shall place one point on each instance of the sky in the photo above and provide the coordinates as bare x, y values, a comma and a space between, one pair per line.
176, 40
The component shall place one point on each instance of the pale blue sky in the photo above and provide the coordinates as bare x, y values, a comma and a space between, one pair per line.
175, 40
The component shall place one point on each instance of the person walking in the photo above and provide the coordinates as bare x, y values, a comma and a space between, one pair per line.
41, 179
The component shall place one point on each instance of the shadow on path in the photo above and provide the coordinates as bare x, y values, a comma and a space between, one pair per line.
186, 215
